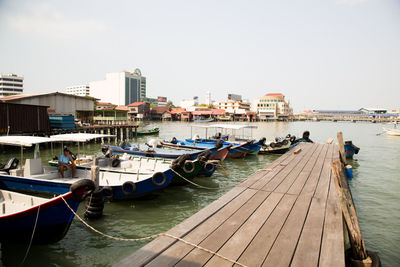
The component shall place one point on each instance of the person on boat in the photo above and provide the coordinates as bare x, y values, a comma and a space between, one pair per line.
305, 138
65, 161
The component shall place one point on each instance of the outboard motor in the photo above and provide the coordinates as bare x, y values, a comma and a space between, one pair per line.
173, 140
104, 149
11, 164
122, 145
196, 137
219, 144
262, 141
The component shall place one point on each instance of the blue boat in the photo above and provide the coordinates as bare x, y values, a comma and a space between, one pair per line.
26, 217
253, 147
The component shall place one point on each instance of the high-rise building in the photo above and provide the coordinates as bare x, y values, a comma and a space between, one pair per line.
79, 90
120, 88
11, 84
234, 97
208, 98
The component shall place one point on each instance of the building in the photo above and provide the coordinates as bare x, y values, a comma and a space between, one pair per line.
57, 103
104, 105
272, 106
79, 90
138, 111
231, 106
208, 101
189, 103
234, 97
11, 84
121, 88
161, 113
161, 101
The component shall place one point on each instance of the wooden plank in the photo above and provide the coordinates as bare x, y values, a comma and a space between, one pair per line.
289, 179
241, 239
285, 244
332, 245
323, 184
174, 253
259, 247
153, 249
218, 238
341, 146
300, 181
291, 163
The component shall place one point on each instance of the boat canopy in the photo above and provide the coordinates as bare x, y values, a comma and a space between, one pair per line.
77, 137
21, 140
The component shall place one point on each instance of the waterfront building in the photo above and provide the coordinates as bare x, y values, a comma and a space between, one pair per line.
79, 90
121, 88
138, 111
161, 113
272, 106
11, 84
231, 106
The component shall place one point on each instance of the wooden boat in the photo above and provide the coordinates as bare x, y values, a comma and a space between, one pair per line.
392, 131
153, 131
122, 183
278, 146
203, 120
47, 220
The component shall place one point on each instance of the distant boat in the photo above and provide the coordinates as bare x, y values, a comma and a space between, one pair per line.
393, 132
209, 120
154, 131
45, 220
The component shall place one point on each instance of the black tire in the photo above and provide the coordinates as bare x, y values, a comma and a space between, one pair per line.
115, 162
95, 209
285, 142
292, 139
128, 188
85, 184
189, 167
93, 215
156, 175
278, 144
108, 192
94, 204
209, 167
273, 145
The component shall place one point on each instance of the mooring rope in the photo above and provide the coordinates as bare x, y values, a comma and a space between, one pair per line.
33, 233
193, 183
150, 237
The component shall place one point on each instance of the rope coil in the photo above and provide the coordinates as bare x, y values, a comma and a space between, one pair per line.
150, 237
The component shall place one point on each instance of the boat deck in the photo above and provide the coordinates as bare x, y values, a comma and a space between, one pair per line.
286, 214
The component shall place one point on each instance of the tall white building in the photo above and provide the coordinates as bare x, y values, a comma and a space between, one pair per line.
79, 90
120, 88
11, 84
208, 98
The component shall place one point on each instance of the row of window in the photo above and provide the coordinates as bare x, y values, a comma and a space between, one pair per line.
11, 80
265, 105
271, 100
11, 84
11, 89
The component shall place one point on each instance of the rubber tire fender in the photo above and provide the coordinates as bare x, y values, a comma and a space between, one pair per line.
108, 192
285, 142
273, 145
78, 185
192, 167
154, 178
209, 169
292, 139
128, 188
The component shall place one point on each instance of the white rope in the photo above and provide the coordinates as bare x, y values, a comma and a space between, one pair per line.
193, 183
150, 237
33, 233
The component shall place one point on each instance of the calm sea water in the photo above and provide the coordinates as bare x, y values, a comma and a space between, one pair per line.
375, 189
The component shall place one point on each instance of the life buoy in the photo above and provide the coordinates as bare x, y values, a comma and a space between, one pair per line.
128, 188
188, 167
156, 176
209, 167
82, 188
108, 192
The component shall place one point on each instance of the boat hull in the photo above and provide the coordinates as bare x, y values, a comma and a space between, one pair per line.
54, 220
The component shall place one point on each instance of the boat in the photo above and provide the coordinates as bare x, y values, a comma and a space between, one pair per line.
392, 131
24, 217
153, 131
121, 184
350, 149
278, 146
203, 120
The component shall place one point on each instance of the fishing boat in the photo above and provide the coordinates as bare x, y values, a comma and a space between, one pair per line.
203, 120
278, 146
153, 131
121, 184
24, 217
392, 131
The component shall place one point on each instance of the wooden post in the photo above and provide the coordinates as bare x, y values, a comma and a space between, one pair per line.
121, 133
341, 146
94, 172
349, 212
102, 139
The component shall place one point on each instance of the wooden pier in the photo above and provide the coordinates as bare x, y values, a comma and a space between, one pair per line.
286, 214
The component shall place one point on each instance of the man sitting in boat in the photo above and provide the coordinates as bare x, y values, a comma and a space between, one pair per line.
65, 161
306, 138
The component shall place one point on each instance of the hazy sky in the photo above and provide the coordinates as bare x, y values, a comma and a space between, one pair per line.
330, 54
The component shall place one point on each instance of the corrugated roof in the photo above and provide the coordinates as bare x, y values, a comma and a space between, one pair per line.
22, 96
136, 104
274, 94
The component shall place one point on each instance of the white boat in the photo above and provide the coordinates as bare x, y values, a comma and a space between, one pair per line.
392, 131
